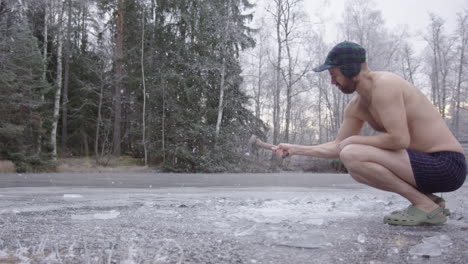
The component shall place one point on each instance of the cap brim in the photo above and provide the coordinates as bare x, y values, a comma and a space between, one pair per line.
323, 67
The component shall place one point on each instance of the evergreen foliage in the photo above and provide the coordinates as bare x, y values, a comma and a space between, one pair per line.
21, 87
185, 45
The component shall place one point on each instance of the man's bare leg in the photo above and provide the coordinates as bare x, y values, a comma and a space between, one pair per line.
386, 170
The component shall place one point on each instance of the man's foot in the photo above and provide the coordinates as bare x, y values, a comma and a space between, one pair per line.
412, 216
437, 200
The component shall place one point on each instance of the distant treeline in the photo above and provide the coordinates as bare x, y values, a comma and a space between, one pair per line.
184, 84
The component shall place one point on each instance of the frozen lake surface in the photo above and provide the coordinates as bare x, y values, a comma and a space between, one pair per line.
338, 222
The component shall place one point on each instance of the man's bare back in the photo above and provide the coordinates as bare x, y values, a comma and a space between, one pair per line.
428, 131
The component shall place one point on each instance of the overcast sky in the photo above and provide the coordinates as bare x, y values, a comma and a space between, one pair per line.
413, 14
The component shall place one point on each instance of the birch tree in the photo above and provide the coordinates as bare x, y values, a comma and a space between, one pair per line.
409, 63
45, 61
440, 66
226, 30
291, 34
58, 84
117, 138
66, 80
143, 82
278, 14
462, 76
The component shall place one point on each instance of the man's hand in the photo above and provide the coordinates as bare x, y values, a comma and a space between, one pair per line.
282, 150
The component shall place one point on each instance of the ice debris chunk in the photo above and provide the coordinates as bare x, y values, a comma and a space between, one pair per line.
72, 196
361, 238
442, 240
99, 216
426, 249
431, 246
107, 215
306, 240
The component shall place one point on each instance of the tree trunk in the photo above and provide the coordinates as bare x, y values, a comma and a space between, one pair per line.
223, 71
163, 130
117, 138
408, 67
259, 86
320, 122
85, 141
66, 81
44, 70
288, 24
84, 29
221, 97
277, 93
288, 93
144, 88
58, 85
99, 119
463, 32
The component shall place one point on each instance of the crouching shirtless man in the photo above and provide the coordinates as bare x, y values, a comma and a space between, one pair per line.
414, 155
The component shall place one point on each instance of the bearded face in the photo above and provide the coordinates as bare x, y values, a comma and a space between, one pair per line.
345, 84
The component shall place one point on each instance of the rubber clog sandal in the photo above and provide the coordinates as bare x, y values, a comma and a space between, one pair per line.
413, 216
438, 200
399, 211
441, 200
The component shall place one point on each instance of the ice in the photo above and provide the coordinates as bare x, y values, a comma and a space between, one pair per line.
215, 225
100, 216
361, 238
246, 232
442, 240
312, 211
431, 246
222, 225
308, 240
426, 249
132, 255
82, 217
72, 196
165, 213
108, 215
314, 221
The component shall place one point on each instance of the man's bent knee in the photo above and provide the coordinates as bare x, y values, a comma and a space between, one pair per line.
351, 154
357, 178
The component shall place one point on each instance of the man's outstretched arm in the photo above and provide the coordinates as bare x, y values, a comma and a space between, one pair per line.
330, 150
327, 150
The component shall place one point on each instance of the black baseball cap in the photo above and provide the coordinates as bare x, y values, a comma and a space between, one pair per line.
344, 53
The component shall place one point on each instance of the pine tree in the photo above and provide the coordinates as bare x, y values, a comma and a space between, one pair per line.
20, 86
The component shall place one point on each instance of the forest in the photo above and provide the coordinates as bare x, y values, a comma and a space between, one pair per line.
182, 84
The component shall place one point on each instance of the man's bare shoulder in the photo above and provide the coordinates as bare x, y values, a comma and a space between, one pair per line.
386, 76
354, 107
387, 81
390, 86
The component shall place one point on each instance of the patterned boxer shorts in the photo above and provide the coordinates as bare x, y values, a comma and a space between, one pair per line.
443, 171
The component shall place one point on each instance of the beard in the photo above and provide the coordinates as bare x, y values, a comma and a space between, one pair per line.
347, 88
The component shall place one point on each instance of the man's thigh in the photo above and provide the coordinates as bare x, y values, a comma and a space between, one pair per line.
397, 161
